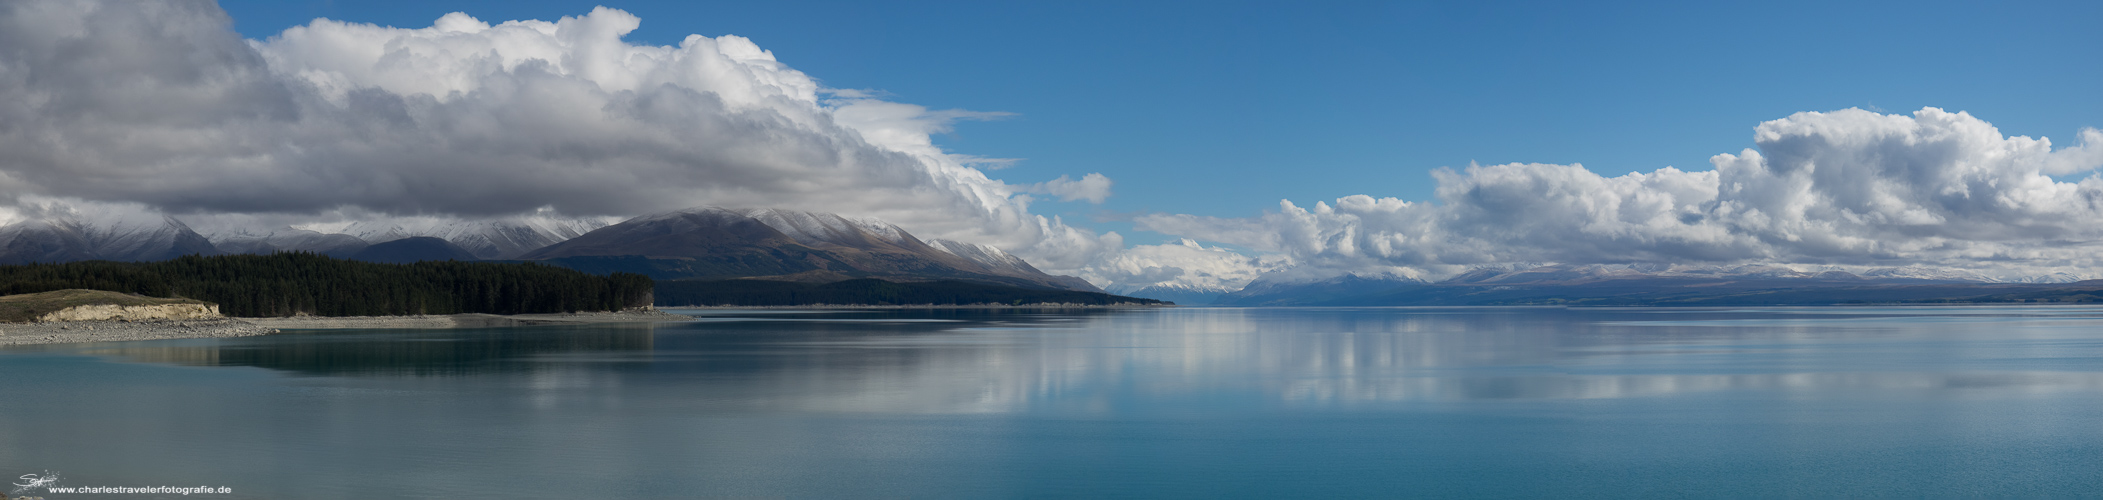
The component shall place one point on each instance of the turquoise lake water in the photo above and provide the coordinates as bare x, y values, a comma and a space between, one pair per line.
1176, 403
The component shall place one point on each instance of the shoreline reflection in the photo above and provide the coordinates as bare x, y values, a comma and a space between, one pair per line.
965, 361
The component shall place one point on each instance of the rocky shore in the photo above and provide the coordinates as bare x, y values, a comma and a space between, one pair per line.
67, 332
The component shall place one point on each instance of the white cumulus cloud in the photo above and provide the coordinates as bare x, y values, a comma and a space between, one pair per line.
1850, 187
1185, 264
160, 108
1093, 187
161, 104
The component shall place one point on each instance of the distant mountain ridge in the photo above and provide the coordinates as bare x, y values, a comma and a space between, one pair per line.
413, 249
288, 239
707, 242
808, 247
1621, 284
1179, 293
67, 239
1344, 288
502, 238
718, 243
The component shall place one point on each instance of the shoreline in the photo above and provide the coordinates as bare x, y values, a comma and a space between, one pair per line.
937, 306
75, 332
469, 320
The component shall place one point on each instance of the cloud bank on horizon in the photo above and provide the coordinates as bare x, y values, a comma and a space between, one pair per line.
160, 107
1845, 188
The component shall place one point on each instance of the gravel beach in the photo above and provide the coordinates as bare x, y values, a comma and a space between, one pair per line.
69, 332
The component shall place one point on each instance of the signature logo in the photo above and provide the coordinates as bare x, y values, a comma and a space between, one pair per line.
31, 481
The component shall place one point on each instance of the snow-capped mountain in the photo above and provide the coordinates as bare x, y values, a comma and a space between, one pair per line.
2052, 278
1926, 273
1764, 271
815, 228
287, 239
993, 259
133, 237
1571, 274
811, 228
1629, 284
715, 243
501, 238
43, 241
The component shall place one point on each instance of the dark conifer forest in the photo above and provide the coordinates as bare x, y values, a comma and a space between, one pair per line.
287, 284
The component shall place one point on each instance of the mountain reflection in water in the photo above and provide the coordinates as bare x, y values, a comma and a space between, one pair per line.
996, 361
1147, 403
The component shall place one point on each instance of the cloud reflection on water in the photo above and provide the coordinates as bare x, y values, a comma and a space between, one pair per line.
949, 362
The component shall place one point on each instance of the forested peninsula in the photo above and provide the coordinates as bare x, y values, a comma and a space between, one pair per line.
296, 283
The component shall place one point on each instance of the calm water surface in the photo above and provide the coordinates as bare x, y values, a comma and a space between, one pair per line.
1755, 403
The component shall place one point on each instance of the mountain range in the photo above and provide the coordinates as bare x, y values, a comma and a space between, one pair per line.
716, 243
1179, 293
64, 239
505, 238
711, 243
699, 243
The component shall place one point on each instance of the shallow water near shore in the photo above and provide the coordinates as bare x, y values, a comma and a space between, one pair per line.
1191, 402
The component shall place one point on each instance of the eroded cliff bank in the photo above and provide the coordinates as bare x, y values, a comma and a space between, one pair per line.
67, 316
98, 305
112, 312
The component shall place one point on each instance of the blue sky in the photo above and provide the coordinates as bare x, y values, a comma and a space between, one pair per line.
1223, 108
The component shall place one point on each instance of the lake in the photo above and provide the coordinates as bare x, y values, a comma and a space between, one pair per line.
1954, 402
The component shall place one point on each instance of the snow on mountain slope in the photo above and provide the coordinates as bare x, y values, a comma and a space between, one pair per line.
43, 241
151, 238
1598, 272
500, 238
818, 229
717, 242
287, 239
121, 237
997, 261
2053, 278
812, 228
1926, 273
985, 255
